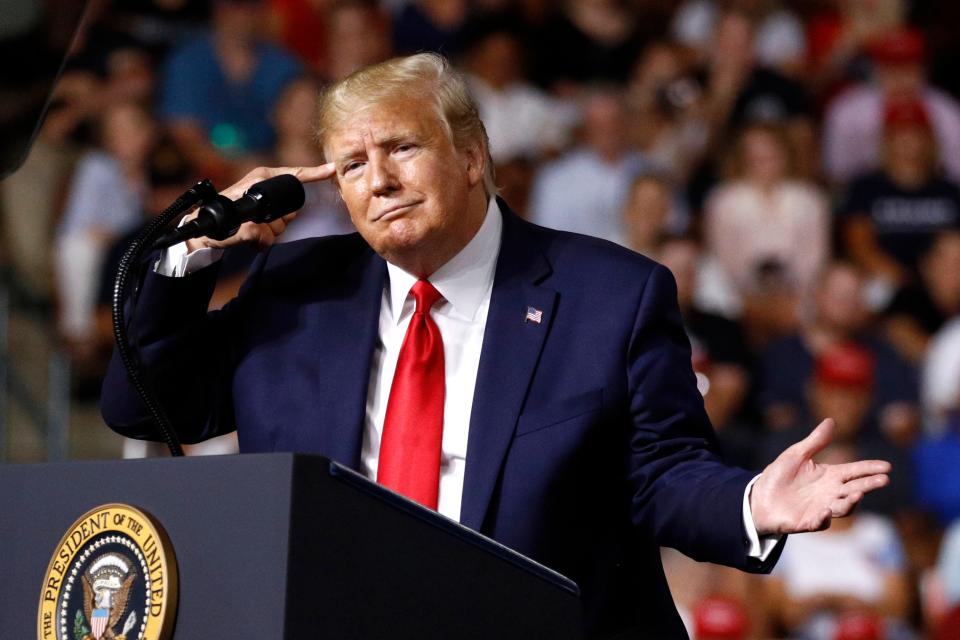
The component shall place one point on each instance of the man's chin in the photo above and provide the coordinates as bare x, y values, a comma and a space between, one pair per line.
399, 246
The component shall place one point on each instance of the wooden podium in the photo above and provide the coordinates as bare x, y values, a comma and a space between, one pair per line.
284, 546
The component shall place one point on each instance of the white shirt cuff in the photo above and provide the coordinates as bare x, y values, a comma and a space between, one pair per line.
760, 547
178, 262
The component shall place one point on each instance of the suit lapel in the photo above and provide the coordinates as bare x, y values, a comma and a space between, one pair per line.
511, 350
349, 323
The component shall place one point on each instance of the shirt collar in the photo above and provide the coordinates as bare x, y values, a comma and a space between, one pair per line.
466, 279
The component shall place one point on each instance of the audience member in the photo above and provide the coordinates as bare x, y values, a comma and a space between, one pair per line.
218, 91
921, 308
771, 309
780, 41
763, 214
738, 93
719, 352
652, 213
839, 36
940, 388
167, 174
525, 125
742, 90
942, 601
721, 617
130, 76
715, 602
838, 316
937, 468
160, 24
850, 576
937, 456
854, 119
300, 26
430, 25
104, 201
521, 120
891, 215
584, 190
841, 386
940, 23
323, 212
649, 214
666, 106
32, 197
587, 42
358, 35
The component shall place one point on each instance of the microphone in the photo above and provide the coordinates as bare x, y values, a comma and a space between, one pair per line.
220, 217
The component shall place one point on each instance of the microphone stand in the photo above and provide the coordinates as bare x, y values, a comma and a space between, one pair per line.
130, 266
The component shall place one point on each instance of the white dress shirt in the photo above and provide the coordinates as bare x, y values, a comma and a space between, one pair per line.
465, 282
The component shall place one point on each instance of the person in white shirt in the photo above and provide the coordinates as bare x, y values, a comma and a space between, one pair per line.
856, 567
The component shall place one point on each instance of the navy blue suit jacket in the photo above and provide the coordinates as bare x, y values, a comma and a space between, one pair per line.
588, 447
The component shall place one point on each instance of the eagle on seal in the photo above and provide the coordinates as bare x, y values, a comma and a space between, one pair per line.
116, 607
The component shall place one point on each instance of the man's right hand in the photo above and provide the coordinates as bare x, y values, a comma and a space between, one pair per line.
261, 234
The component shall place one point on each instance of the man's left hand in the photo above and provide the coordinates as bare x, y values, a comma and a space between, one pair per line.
795, 494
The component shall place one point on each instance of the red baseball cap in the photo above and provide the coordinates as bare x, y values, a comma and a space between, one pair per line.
903, 45
846, 365
859, 626
720, 618
905, 113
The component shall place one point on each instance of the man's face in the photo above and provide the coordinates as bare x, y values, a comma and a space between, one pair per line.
238, 19
495, 60
356, 39
411, 194
605, 126
764, 157
940, 269
909, 145
840, 300
901, 81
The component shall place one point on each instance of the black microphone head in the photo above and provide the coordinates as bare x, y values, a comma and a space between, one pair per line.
277, 196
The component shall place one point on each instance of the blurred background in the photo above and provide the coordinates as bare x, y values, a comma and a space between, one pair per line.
794, 163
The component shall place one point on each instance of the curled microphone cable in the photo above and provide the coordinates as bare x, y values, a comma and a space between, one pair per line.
130, 264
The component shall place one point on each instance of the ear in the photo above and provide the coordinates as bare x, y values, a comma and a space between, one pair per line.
475, 163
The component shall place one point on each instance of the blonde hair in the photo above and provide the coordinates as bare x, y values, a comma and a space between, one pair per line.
423, 74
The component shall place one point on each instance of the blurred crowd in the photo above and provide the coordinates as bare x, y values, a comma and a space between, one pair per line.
794, 163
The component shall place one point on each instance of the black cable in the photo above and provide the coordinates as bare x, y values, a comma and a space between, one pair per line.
131, 262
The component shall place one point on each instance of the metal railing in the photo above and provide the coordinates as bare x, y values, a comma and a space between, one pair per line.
48, 413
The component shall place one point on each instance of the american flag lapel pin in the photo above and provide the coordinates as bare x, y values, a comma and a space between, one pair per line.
533, 315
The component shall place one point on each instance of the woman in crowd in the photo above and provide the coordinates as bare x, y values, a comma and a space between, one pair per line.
763, 215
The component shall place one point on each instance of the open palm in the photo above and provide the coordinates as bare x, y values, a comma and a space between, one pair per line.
796, 494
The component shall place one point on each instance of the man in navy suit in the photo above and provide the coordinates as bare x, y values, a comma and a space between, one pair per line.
540, 379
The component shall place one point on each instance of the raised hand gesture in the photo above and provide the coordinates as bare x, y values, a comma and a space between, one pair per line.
795, 494
261, 234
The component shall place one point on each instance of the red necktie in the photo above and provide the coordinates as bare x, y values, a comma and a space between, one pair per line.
413, 428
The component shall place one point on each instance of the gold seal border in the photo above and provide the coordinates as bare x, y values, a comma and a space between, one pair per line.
158, 627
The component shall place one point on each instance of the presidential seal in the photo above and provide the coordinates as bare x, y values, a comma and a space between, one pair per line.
113, 577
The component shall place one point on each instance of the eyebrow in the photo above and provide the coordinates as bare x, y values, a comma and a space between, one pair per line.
353, 152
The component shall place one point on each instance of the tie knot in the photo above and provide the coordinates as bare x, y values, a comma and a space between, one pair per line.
425, 295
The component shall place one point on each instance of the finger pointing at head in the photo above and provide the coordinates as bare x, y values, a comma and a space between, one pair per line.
309, 174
